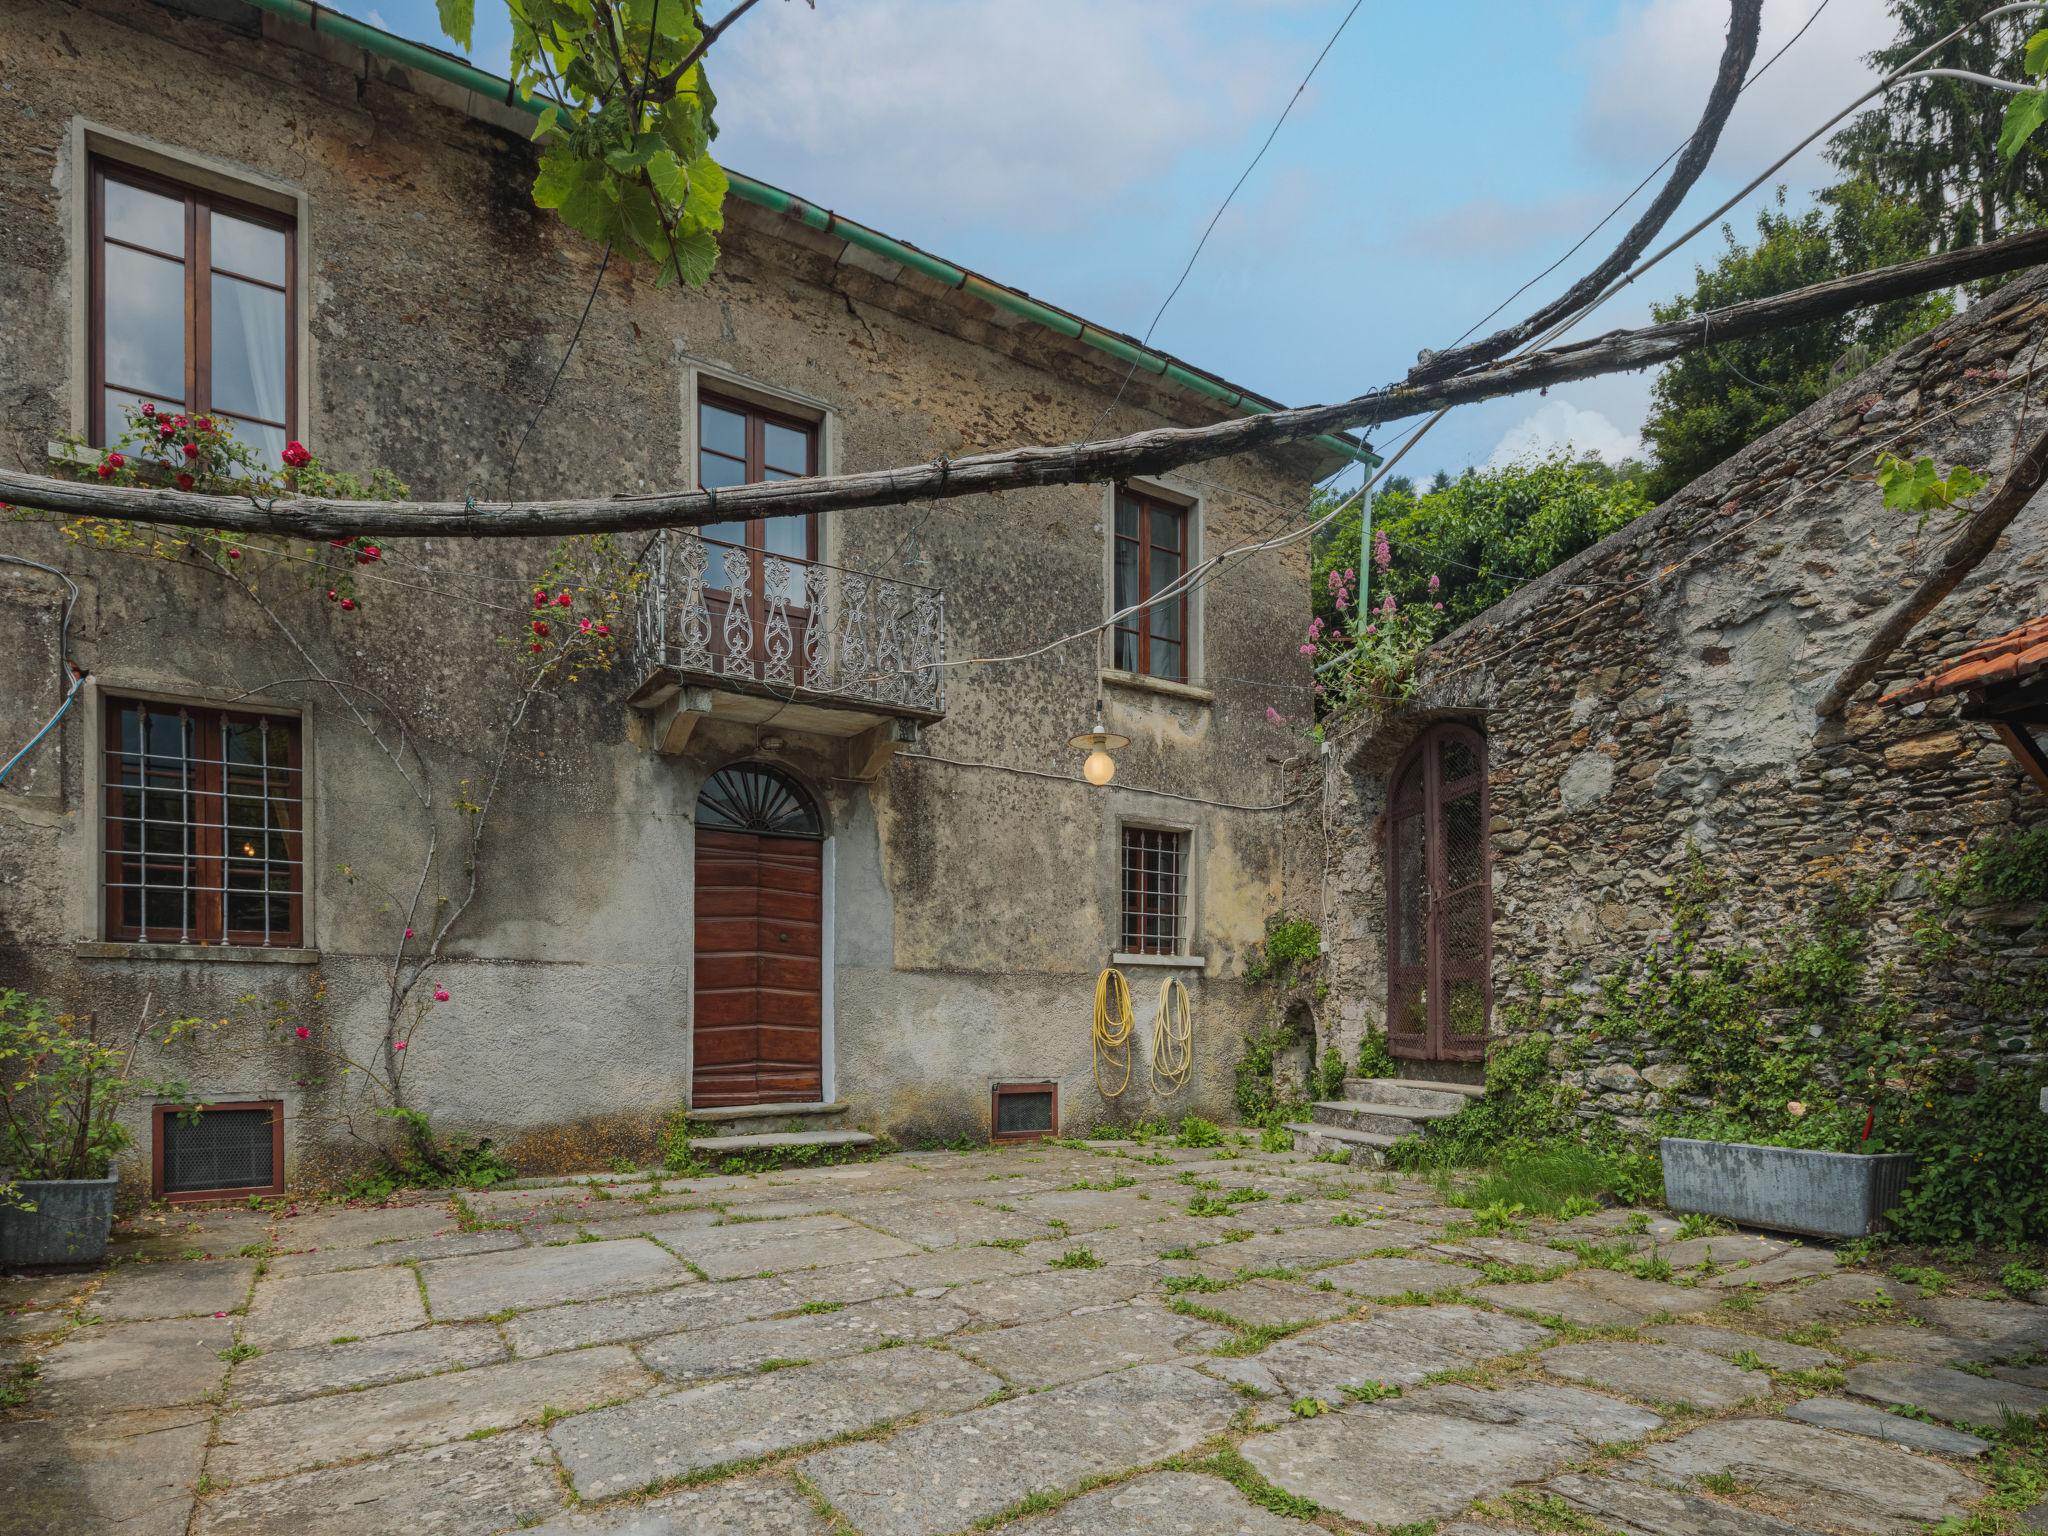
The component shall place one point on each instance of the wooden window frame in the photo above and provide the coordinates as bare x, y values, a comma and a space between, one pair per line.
1139, 626
208, 862
999, 1091
1132, 902
755, 465
198, 260
161, 1112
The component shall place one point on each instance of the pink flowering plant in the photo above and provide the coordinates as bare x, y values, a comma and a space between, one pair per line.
1368, 656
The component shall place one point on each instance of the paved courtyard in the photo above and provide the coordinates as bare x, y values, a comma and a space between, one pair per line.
1051, 1340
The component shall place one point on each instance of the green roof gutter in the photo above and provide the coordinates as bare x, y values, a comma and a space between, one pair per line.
458, 72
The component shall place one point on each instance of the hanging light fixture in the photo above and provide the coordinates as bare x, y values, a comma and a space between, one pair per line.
1098, 768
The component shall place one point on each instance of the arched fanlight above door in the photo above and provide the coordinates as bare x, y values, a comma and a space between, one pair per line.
754, 797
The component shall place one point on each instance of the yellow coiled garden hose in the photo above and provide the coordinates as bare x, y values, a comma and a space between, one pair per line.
1173, 1039
1113, 1023
1173, 1036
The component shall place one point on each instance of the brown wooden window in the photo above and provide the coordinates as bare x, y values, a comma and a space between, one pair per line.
193, 308
1023, 1111
742, 444
203, 825
1151, 555
1154, 887
1439, 898
217, 1151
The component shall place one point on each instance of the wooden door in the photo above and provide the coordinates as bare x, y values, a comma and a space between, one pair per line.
758, 1019
1439, 899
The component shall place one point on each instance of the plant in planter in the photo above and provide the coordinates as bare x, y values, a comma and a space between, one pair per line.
61, 1092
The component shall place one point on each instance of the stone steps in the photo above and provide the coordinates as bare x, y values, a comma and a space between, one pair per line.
1382, 1119
777, 1141
1362, 1147
754, 1119
1422, 1093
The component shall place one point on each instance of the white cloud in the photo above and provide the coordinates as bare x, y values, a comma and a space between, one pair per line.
1043, 114
1490, 228
1559, 426
1648, 78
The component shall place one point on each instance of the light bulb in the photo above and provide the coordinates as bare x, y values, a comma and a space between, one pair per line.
1099, 768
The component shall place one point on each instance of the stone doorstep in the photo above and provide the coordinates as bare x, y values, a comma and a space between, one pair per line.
1368, 1147
773, 1141
736, 1119
1387, 1119
1411, 1090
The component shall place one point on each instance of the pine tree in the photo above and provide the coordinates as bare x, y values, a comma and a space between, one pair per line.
1933, 143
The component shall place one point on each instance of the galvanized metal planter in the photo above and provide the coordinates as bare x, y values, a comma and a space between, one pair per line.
1784, 1189
69, 1224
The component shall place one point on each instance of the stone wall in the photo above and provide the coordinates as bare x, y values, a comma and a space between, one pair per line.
973, 905
1656, 692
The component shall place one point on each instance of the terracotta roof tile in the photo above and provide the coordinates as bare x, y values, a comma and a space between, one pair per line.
2020, 653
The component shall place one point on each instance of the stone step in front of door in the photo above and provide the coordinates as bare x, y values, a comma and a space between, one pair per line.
756, 1119
1418, 1092
777, 1141
1364, 1148
1382, 1119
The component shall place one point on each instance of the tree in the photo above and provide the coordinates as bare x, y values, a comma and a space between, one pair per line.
1719, 399
1934, 143
1476, 537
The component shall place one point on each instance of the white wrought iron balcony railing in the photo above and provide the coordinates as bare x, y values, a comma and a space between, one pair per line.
773, 623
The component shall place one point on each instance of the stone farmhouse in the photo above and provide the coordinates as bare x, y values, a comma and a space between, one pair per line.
781, 862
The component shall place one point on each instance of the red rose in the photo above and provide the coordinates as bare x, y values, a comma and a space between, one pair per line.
117, 460
347, 603
185, 482
191, 450
332, 594
562, 601
297, 454
166, 430
148, 409
584, 625
373, 552
535, 646
540, 598
234, 554
604, 629
540, 627
204, 423
303, 1033
106, 470
181, 421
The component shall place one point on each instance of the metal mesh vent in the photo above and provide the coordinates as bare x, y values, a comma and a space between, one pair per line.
222, 1149
1023, 1111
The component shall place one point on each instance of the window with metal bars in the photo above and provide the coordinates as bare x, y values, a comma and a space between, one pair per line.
215, 1151
1151, 554
193, 299
203, 825
1154, 886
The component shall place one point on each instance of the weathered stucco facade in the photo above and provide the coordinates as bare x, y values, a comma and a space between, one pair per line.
968, 907
1658, 692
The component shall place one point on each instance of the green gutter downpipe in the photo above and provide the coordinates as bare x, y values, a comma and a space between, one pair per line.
443, 66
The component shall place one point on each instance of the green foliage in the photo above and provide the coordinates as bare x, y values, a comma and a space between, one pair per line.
1076, 1258
1915, 487
61, 1090
626, 133
1371, 1392
1291, 946
423, 1159
1543, 1181
1979, 1147
1525, 1108
1329, 1075
1374, 1059
2011, 868
1253, 1094
2022, 1279
1713, 402
1276, 1138
1481, 534
1197, 1132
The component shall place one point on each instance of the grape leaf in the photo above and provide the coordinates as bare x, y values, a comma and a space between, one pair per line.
458, 19
2023, 114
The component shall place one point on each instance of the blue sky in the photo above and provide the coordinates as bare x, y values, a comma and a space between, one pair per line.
1447, 151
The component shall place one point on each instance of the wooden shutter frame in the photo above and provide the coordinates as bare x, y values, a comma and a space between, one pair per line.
1437, 1044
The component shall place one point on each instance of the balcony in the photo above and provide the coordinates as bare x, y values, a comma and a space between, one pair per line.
745, 635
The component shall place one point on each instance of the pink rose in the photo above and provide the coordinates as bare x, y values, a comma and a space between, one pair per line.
440, 994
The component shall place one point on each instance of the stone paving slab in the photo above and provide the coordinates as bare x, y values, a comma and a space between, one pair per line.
1397, 1277
943, 1223
1833, 1299
1657, 1373
948, 1474
450, 1245
201, 1287
1428, 1456
1276, 1303
134, 1365
1722, 1249
1309, 1249
1729, 1342
1508, 1250
1398, 1347
665, 1227
1794, 1264
2014, 1326
1652, 1511
31, 1306
1063, 1349
748, 1248
289, 1437
365, 1226
617, 1450
284, 1375
1897, 1341
179, 1233
318, 1309
1089, 1210
1862, 1419
1598, 1298
470, 1488
1053, 1292
1956, 1396
643, 1316
747, 1507
1814, 1477
134, 1473
704, 1353
1160, 1504
546, 1277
